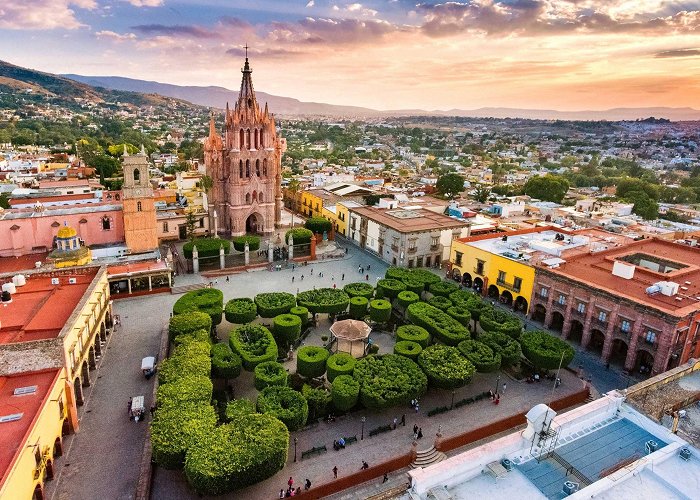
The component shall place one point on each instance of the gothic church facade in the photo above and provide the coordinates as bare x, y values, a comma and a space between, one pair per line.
245, 167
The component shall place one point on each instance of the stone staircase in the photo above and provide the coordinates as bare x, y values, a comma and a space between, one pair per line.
187, 288
428, 457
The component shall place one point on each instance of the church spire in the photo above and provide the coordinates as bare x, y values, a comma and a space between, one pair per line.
246, 97
212, 125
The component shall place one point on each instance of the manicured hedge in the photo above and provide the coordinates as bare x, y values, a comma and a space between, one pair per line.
358, 307
317, 399
301, 236
407, 348
186, 389
197, 336
239, 407
340, 363
269, 373
445, 367
318, 225
206, 300
506, 346
190, 357
345, 392
390, 289
359, 290
546, 351
442, 303
240, 311
380, 310
461, 314
495, 320
406, 298
206, 247
303, 314
413, 333
253, 242
185, 323
311, 361
413, 276
273, 304
286, 329
237, 455
389, 380
483, 358
254, 344
414, 285
438, 323
285, 404
176, 427
443, 288
324, 300
461, 297
225, 363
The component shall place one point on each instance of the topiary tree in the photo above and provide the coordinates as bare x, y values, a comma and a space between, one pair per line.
186, 389
206, 247
273, 304
388, 380
324, 300
340, 363
424, 276
441, 325
460, 313
359, 290
445, 367
380, 310
484, 359
311, 361
502, 344
175, 427
286, 329
358, 307
495, 320
545, 351
413, 333
461, 297
407, 348
318, 225
187, 323
389, 288
301, 235
406, 298
190, 357
254, 344
303, 314
236, 455
240, 241
237, 408
224, 363
206, 300
240, 311
443, 288
414, 285
269, 373
317, 399
197, 336
286, 404
442, 303
345, 392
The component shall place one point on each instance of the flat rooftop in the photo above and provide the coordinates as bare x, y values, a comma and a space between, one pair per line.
40, 309
410, 221
21, 411
131, 268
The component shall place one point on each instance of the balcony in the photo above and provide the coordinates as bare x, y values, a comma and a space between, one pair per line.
578, 313
412, 250
434, 248
40, 468
623, 334
479, 270
509, 286
395, 248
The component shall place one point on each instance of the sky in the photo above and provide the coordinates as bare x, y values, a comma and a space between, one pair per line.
383, 54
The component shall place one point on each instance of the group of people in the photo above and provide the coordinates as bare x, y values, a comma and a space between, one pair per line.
339, 444
415, 404
290, 492
417, 432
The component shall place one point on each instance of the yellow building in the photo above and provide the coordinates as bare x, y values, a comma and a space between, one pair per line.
312, 202
69, 251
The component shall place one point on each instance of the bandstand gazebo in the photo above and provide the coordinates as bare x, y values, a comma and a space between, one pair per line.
351, 335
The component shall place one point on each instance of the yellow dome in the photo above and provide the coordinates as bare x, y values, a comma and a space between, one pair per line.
66, 232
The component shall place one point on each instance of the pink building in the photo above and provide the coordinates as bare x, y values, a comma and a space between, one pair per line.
33, 230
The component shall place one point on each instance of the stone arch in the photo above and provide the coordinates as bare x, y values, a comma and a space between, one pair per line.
618, 352
137, 175
467, 280
506, 298
139, 206
58, 447
65, 430
49, 470
241, 139
644, 362
255, 138
254, 223
262, 138
576, 331
539, 313
557, 322
240, 168
85, 374
456, 274
493, 292
596, 342
247, 198
247, 168
247, 139
265, 167
520, 304
78, 389
103, 332
257, 168
92, 358
38, 492
478, 284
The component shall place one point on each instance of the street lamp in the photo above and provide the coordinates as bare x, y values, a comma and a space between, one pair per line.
295, 449
452, 405
498, 383
362, 434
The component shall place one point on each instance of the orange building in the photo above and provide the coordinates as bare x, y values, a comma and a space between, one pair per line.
138, 205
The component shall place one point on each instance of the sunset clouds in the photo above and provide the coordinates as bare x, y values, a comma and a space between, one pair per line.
388, 54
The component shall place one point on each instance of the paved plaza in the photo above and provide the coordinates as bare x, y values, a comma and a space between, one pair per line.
104, 458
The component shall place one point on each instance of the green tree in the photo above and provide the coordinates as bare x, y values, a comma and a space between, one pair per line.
206, 183
481, 193
629, 185
644, 206
190, 224
4, 201
450, 185
548, 188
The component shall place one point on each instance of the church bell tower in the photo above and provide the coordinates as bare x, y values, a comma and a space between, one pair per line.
138, 204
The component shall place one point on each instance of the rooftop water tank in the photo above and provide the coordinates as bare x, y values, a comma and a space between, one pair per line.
570, 487
19, 280
9, 287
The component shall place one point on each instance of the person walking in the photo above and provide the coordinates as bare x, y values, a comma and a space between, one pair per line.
385, 479
403, 420
415, 429
365, 465
504, 388
394, 423
359, 268
227, 279
307, 484
335, 472
369, 266
292, 278
420, 433
302, 277
128, 409
333, 286
342, 277
282, 493
367, 278
290, 482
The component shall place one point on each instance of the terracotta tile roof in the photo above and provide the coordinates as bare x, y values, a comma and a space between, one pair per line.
425, 220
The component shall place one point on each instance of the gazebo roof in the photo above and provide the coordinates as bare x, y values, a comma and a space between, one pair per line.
351, 329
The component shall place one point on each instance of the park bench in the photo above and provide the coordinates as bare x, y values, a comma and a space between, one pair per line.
350, 439
316, 450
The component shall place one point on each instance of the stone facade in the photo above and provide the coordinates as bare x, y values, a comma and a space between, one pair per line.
138, 205
245, 167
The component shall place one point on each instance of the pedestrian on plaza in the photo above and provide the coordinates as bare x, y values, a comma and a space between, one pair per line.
335, 472
290, 482
365, 465
302, 277
417, 406
228, 279
394, 423
415, 434
293, 267
504, 388
298, 490
367, 278
128, 410
386, 478
403, 420
216, 281
343, 277
312, 271
307, 484
415, 429
359, 268
346, 250
369, 266
420, 433
292, 279
153, 410
288, 493
497, 400
333, 286
282, 493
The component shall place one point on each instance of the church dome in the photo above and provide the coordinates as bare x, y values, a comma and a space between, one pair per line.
67, 232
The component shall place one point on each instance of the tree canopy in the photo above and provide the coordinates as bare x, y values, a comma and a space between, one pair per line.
548, 188
450, 184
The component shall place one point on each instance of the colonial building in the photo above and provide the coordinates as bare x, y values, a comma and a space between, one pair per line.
138, 204
245, 167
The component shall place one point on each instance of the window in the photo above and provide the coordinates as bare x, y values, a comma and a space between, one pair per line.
106, 223
625, 326
240, 167
247, 198
247, 165
260, 197
265, 167
602, 316
201, 222
458, 258
562, 299
479, 267
257, 168
412, 244
138, 206
581, 307
434, 241
517, 284
650, 337
137, 175
501, 276
165, 227
544, 293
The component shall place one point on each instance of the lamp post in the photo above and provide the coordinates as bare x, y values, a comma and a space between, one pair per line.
452, 405
295, 449
362, 433
498, 383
